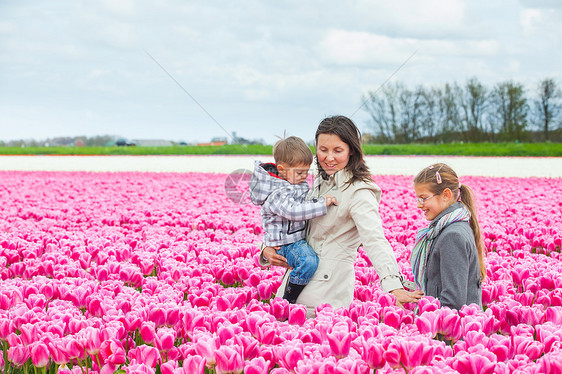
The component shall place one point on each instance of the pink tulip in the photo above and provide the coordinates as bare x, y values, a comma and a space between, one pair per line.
29, 333
6, 328
229, 360
139, 368
39, 354
93, 340
249, 345
57, 350
256, 365
409, 353
554, 315
289, 355
527, 346
194, 365
427, 323
18, 355
340, 341
428, 304
279, 308
165, 339
266, 333
148, 331
113, 352
473, 364
297, 314
168, 367
157, 315
144, 354
551, 363
449, 324
373, 352
74, 349
206, 346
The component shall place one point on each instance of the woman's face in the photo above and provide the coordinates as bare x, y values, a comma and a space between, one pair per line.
332, 153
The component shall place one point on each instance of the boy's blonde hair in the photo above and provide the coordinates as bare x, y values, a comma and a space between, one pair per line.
292, 151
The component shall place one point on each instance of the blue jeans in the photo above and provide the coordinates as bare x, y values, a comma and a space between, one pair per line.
302, 258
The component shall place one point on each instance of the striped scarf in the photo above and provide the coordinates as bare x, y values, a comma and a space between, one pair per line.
425, 238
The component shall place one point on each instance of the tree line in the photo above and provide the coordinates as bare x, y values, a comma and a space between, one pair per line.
471, 112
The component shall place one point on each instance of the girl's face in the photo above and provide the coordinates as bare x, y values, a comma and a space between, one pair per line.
433, 204
332, 153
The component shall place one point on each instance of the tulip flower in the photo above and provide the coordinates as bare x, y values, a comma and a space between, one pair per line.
289, 355
165, 338
297, 314
39, 354
373, 352
256, 365
206, 347
340, 341
144, 354
148, 331
113, 352
18, 355
229, 360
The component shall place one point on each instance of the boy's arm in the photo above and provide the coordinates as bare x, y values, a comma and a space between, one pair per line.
283, 204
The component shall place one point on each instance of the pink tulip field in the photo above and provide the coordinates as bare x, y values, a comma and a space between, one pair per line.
157, 273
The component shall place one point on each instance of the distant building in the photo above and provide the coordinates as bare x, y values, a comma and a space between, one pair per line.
153, 143
213, 144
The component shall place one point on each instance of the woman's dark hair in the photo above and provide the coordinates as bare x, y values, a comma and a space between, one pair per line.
350, 135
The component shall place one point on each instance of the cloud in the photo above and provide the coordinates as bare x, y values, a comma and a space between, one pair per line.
255, 66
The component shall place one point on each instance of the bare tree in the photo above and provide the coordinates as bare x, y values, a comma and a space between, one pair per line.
510, 109
384, 110
548, 105
429, 112
473, 102
449, 117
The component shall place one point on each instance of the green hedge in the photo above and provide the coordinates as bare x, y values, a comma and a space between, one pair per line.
466, 149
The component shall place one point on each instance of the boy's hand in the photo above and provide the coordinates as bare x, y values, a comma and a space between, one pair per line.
330, 200
270, 253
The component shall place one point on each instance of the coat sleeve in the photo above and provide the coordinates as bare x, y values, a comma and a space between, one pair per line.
364, 210
454, 268
283, 204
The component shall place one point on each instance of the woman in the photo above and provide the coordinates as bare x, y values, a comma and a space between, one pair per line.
354, 221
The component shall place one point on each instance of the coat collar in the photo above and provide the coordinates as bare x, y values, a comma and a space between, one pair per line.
336, 180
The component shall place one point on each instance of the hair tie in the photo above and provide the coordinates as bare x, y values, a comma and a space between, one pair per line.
438, 177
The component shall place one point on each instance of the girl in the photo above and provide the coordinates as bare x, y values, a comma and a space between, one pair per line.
448, 256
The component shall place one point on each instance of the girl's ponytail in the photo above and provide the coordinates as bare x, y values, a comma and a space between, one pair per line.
467, 198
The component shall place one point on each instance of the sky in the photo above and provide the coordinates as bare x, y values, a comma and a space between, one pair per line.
191, 71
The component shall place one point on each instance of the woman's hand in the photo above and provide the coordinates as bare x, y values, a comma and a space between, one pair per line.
270, 253
403, 296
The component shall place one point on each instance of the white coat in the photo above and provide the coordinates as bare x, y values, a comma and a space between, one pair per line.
336, 238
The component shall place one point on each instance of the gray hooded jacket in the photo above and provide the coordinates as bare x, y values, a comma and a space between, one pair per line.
284, 210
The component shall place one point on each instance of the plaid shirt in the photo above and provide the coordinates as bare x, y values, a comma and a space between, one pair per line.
284, 210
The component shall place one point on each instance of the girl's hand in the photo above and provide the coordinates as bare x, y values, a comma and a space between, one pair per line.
270, 253
403, 296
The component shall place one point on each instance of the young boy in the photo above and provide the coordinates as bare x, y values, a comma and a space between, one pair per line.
280, 189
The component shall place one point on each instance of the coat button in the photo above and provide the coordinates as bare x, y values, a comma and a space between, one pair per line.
325, 276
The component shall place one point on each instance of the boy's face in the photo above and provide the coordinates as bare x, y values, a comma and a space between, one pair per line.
293, 174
